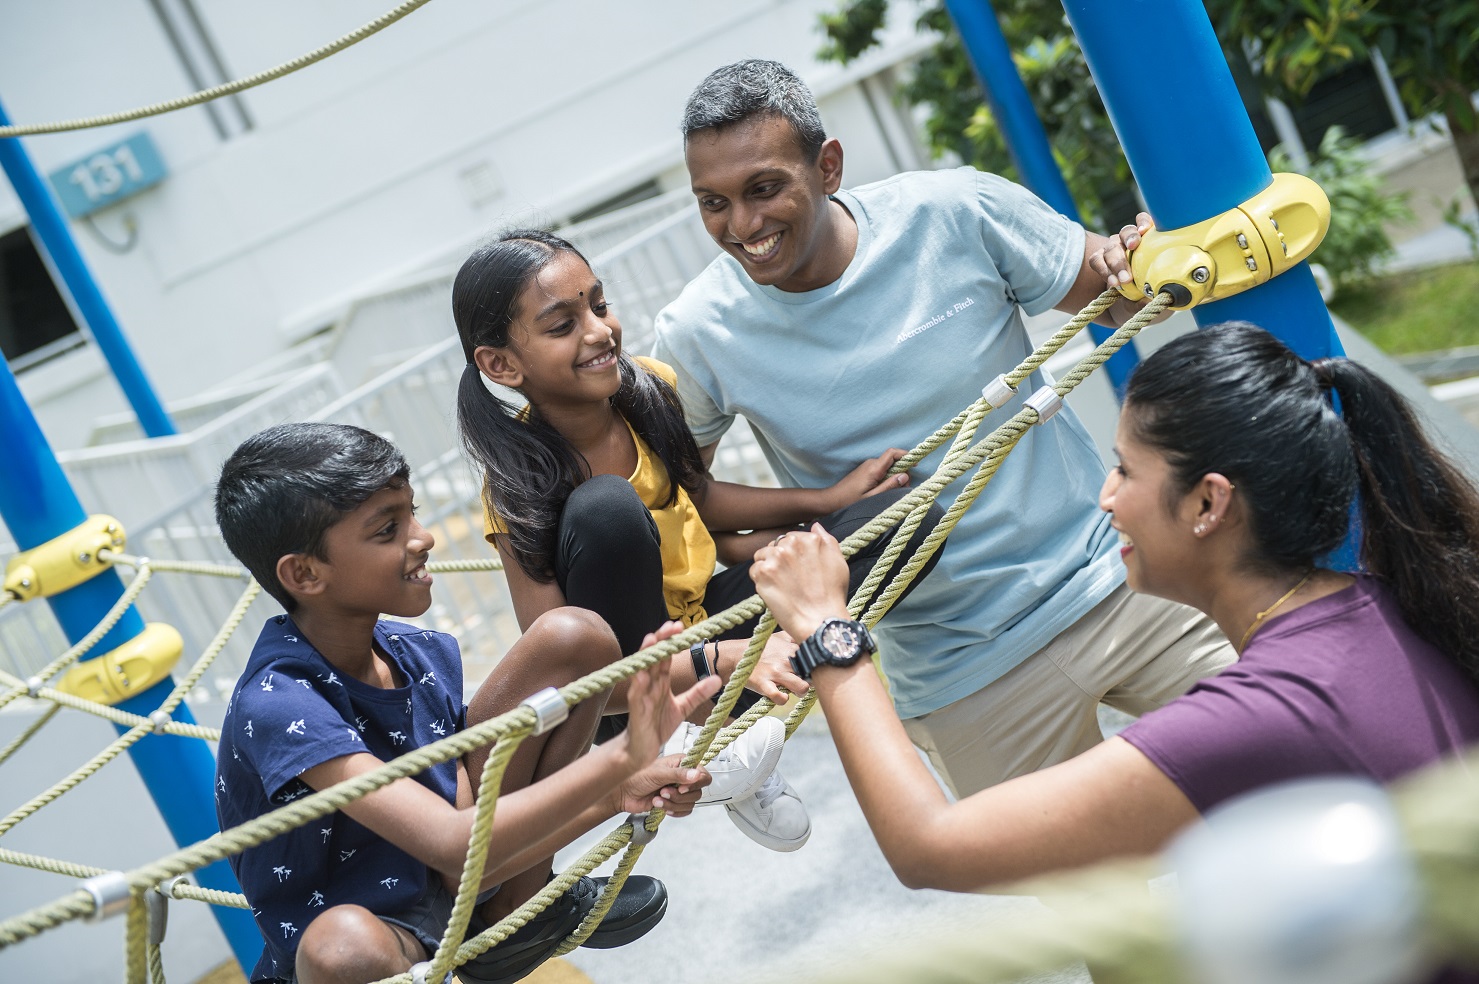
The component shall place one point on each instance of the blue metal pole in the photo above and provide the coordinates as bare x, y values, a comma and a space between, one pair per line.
51, 228
38, 504
1027, 142
1187, 136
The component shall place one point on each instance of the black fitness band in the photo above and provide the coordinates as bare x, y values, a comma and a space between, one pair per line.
700, 661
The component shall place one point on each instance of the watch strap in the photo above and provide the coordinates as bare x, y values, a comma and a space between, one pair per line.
701, 666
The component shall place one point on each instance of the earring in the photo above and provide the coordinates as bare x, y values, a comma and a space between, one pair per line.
1200, 529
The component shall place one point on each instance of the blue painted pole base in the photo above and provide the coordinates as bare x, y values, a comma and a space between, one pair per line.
181, 772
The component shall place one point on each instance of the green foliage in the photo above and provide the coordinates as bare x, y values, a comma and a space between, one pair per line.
853, 30
1430, 46
1360, 207
1420, 311
1048, 59
1453, 215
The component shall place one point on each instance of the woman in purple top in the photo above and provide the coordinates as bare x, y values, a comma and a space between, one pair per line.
1236, 477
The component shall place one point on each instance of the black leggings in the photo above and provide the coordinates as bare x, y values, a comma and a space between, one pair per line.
609, 560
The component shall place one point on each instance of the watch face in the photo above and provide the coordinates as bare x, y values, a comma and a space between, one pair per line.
841, 640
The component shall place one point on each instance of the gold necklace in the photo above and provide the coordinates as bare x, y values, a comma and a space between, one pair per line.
1258, 619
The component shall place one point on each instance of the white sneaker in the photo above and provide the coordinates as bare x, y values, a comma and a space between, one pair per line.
741, 767
774, 816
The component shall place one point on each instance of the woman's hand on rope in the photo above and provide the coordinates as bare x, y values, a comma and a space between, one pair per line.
653, 714
803, 578
869, 478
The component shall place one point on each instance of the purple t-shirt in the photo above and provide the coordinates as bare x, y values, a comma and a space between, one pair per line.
1339, 686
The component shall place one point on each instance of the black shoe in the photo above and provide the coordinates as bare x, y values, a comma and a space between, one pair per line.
533, 943
640, 905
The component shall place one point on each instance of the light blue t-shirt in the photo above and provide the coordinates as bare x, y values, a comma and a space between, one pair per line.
924, 316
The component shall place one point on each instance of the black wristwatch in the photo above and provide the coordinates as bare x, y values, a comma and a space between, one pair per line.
836, 642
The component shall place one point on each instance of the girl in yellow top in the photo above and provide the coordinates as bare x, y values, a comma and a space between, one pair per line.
595, 493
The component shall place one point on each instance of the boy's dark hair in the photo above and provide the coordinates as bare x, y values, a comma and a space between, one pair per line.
285, 486
755, 87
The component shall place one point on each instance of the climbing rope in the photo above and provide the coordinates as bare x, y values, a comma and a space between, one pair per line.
226, 88
508, 730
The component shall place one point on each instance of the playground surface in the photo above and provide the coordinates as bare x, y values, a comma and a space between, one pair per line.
737, 911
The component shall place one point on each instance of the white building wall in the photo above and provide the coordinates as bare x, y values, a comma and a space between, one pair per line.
465, 116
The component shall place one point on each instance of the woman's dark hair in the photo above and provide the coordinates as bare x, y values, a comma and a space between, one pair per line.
529, 468
1234, 400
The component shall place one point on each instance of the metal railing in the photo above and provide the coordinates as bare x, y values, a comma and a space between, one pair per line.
405, 339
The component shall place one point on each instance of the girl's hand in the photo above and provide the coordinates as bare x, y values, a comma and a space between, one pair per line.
772, 676
869, 478
653, 710
803, 578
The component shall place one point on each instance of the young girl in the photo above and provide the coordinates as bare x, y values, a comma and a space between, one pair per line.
1236, 476
596, 495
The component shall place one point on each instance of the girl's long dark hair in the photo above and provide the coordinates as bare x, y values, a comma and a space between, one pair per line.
529, 468
1234, 400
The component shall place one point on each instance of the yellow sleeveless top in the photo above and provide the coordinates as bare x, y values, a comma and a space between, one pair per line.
688, 554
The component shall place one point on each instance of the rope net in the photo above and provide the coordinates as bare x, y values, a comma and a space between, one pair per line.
1124, 929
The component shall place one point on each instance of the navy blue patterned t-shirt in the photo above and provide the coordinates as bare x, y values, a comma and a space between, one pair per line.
292, 711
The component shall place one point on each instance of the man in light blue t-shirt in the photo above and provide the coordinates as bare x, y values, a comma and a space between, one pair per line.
840, 323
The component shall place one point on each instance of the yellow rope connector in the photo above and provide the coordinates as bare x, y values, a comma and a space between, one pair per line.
1232, 252
65, 561
130, 669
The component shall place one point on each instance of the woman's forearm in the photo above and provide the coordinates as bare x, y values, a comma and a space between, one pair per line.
899, 797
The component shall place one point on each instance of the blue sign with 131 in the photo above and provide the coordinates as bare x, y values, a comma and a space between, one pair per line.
108, 176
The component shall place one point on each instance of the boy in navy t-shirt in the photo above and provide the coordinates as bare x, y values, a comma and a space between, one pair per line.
322, 516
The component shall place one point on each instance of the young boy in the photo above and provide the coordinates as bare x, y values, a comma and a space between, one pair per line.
322, 515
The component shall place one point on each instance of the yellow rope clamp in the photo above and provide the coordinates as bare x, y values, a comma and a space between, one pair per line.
1232, 252
130, 669
64, 562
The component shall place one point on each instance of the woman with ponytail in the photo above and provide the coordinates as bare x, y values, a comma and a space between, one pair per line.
1237, 479
596, 496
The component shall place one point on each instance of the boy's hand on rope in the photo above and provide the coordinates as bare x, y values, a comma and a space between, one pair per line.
663, 785
653, 714
869, 478
803, 578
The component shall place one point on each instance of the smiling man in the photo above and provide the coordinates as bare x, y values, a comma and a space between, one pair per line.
839, 323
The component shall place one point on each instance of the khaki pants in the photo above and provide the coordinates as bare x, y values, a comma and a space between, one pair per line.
1131, 651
